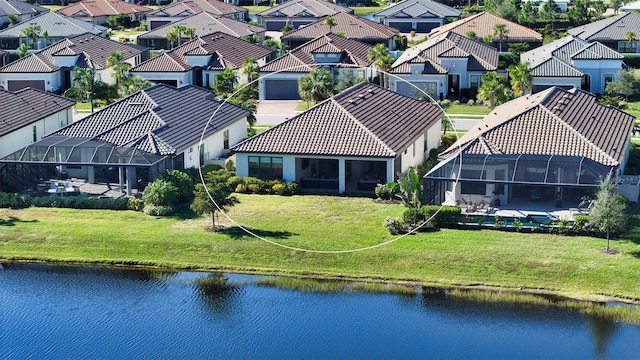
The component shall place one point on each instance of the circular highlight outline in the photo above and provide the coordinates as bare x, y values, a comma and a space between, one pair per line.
345, 251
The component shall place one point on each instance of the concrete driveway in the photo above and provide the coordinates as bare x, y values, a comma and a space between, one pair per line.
273, 112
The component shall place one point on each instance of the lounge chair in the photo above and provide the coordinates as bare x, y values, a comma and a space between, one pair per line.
53, 188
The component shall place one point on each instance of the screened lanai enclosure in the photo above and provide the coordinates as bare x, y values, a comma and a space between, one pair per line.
499, 180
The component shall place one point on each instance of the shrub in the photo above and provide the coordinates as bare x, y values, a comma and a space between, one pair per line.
233, 182
253, 188
447, 217
393, 225
14, 201
154, 210
563, 227
499, 223
230, 166
241, 188
471, 102
293, 188
386, 191
279, 189
81, 202
135, 204
517, 224
160, 193
183, 183
456, 102
412, 218
580, 224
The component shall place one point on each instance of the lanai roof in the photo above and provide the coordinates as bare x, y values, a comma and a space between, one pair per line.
609, 29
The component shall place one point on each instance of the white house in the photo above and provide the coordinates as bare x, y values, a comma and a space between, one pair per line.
22, 9
419, 15
351, 142
180, 10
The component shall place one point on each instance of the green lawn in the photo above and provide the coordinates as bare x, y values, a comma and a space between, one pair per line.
633, 108
365, 10
86, 107
302, 105
466, 109
261, 129
564, 265
256, 9
52, 7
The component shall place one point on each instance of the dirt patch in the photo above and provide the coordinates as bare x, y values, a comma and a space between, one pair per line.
610, 251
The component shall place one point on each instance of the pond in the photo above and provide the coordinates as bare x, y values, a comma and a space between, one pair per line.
52, 312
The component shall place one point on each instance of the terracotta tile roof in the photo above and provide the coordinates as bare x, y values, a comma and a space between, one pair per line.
481, 57
354, 27
364, 120
483, 23
28, 106
95, 8
160, 120
418, 9
551, 122
92, 49
556, 58
193, 7
610, 29
56, 25
227, 52
313, 8
301, 58
15, 7
205, 24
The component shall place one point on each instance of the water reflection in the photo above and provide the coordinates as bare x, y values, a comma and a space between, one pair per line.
217, 294
602, 330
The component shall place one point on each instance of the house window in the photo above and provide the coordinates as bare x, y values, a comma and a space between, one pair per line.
35, 133
425, 140
627, 47
207, 80
607, 79
225, 139
414, 149
474, 81
265, 167
476, 188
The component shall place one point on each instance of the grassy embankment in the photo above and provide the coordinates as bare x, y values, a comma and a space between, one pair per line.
572, 266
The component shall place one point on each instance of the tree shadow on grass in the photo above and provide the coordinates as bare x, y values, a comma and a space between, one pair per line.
12, 220
237, 233
635, 254
184, 212
633, 234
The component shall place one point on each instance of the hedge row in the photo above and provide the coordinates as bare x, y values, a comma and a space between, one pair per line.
17, 201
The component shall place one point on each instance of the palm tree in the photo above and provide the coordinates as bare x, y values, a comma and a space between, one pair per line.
190, 32
330, 22
521, 78
115, 60
135, 84
250, 68
500, 31
493, 90
13, 19
23, 49
32, 32
45, 35
631, 37
381, 58
316, 86
173, 36
180, 29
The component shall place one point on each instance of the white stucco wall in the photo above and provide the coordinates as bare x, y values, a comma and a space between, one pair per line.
557, 81
22, 137
213, 144
181, 79
597, 70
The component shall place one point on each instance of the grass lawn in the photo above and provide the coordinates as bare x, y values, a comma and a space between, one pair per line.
633, 108
256, 9
466, 109
86, 107
52, 7
261, 129
365, 10
126, 32
302, 105
564, 265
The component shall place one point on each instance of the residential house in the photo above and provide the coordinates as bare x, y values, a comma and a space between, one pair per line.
563, 5
612, 32
364, 136
56, 26
631, 7
295, 13
204, 23
183, 9
97, 11
552, 147
482, 26
419, 15
351, 26
199, 60
51, 69
136, 138
572, 62
4, 58
15, 7
32, 114
279, 78
443, 66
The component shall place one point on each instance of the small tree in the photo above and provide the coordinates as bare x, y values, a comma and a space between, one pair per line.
330, 22
608, 213
410, 189
381, 58
521, 79
626, 84
224, 83
316, 86
33, 33
494, 90
23, 49
631, 37
13, 19
215, 197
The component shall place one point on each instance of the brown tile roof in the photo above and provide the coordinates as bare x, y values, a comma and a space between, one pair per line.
228, 52
483, 23
610, 29
354, 27
28, 106
314, 8
192, 7
481, 57
551, 122
205, 24
364, 120
96, 8
92, 49
301, 58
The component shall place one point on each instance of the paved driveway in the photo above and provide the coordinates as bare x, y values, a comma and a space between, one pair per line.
273, 112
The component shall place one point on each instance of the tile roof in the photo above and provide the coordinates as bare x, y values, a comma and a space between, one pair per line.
160, 120
228, 52
56, 25
418, 9
609, 29
354, 27
556, 58
92, 49
364, 120
205, 24
193, 7
301, 59
551, 122
481, 57
313, 8
95, 8
16, 7
28, 106
483, 23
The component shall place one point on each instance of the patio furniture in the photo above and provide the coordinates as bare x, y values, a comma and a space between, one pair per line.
53, 188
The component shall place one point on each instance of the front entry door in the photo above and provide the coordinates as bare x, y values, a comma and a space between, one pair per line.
454, 85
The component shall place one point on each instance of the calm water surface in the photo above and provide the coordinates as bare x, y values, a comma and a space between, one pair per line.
54, 312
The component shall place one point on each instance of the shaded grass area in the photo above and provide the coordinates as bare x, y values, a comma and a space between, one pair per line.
564, 265
633, 108
256, 9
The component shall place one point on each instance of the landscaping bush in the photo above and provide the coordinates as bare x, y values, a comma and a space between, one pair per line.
81, 202
160, 193
517, 224
412, 218
182, 182
293, 188
233, 182
393, 225
447, 217
154, 210
386, 191
580, 224
241, 188
14, 201
633, 61
279, 189
135, 204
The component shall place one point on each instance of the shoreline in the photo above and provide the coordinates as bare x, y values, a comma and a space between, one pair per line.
599, 299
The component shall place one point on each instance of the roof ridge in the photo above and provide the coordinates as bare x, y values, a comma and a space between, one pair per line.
580, 136
111, 6
362, 126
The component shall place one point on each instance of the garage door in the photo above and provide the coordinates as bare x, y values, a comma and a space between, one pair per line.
168, 82
272, 25
426, 27
404, 27
15, 85
281, 90
157, 24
